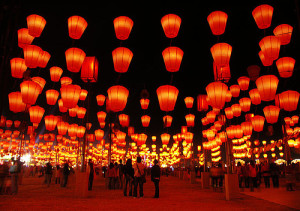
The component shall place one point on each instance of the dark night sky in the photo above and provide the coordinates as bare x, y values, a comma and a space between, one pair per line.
147, 41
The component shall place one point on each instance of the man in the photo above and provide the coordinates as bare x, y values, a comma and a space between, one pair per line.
155, 177
139, 171
91, 174
121, 173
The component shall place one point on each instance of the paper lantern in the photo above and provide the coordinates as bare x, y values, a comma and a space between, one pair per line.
80, 131
89, 69
295, 119
271, 113
35, 25
167, 96
243, 83
267, 86
9, 124
24, 38
18, 67
52, 96
76, 26
154, 139
217, 22
101, 115
189, 101
236, 109
190, 120
228, 113
228, 96
285, 66
221, 53
255, 96
284, 33
247, 128
165, 138
51, 122
72, 130
202, 104
30, 91
145, 120
65, 81
70, 95
172, 57
124, 120
83, 94
235, 90
55, 73
253, 72
36, 114
167, 120
221, 73
15, 102
258, 123
263, 16
117, 96
74, 59
61, 106
189, 137
270, 46
245, 104
123, 26
100, 100
122, 58
288, 100
171, 25
99, 134
144, 103
81, 112
43, 59
216, 92
62, 127
32, 54
266, 61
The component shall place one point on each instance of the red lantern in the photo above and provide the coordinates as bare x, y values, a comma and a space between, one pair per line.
74, 59
100, 100
17, 123
228, 96
117, 96
124, 120
202, 104
228, 113
65, 81
24, 38
18, 67
76, 26
15, 102
55, 73
101, 116
72, 130
235, 90
189, 101
141, 139
253, 72
61, 106
51, 122
266, 61
288, 100
270, 46
245, 104
36, 114
284, 33
271, 113
83, 94
165, 138
216, 92
80, 131
285, 66
99, 134
144, 103
52, 96
263, 16
153, 138
167, 120
255, 96
172, 57
122, 58
167, 96
130, 131
247, 128
62, 127
258, 123
243, 82
221, 53
123, 26
81, 112
32, 54
145, 120
221, 73
190, 120
30, 91
43, 59
40, 81
89, 69
35, 25
267, 86
70, 95
189, 137
217, 22
236, 109
171, 25
9, 124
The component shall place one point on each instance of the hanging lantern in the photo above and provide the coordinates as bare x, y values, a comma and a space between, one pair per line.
153, 138
43, 59
258, 123
228, 96
236, 109
101, 115
9, 124
123, 26
65, 81
74, 59
17, 123
221, 73
243, 83
52, 96
172, 57
211, 116
263, 16
51, 122
24, 38
285, 66
167, 120
40, 81
122, 58
217, 22
30, 91
55, 73
70, 95
266, 61
145, 120
189, 101
165, 138
238, 132
99, 134
124, 120
35, 25
284, 33
81, 112
167, 96
89, 69
76, 26
36, 114
245, 104
255, 96
171, 25
202, 104
80, 131
83, 94
216, 92
270, 46
288, 100
130, 131
117, 96
271, 113
100, 100
72, 130
267, 86
247, 128
32, 54
189, 137
18, 67
295, 119
144, 103
62, 128
235, 90
228, 113
221, 53
253, 72
61, 106
190, 120
15, 102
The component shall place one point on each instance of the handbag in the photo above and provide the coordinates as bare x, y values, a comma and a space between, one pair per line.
143, 176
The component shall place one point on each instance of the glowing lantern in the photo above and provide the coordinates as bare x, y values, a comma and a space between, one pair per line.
236, 109
267, 86
255, 96
55, 73
65, 81
100, 100
153, 138
291, 143
43, 59
73, 111
211, 116
51, 96
258, 123
247, 128
266, 61
190, 120
130, 131
61, 106
189, 137
295, 119
76, 26
70, 95
83, 94
35, 25
32, 55
62, 127
172, 57
289, 100
40, 81
101, 115
245, 104
165, 138
285, 66
117, 97
122, 58
89, 69
263, 16
15, 102
74, 59
24, 38
189, 101
17, 123
171, 25
80, 131
253, 72
202, 104
228, 96
51, 122
9, 124
36, 114
235, 90
221, 53
145, 120
265, 155
72, 130
167, 96
124, 120
284, 33
221, 73
270, 46
18, 67
99, 134
243, 82
216, 92
271, 113
238, 131
167, 120
30, 91
122, 26
81, 112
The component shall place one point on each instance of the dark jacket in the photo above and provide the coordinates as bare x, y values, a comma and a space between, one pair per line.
66, 170
48, 169
128, 171
155, 172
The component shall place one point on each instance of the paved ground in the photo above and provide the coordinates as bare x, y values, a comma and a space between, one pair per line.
175, 195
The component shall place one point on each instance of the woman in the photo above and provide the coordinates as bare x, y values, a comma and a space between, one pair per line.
265, 169
139, 171
252, 175
111, 175
129, 177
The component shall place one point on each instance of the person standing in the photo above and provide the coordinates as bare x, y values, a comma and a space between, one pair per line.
139, 171
66, 172
129, 177
57, 174
4, 172
48, 174
155, 177
121, 173
265, 169
274, 174
239, 172
13, 170
91, 174
252, 175
111, 175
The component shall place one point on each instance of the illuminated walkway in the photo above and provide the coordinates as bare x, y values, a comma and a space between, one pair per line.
175, 195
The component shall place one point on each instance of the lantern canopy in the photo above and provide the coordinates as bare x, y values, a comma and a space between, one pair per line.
263, 16
76, 26
172, 57
122, 58
35, 25
124, 120
171, 25
217, 22
123, 26
117, 97
167, 96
